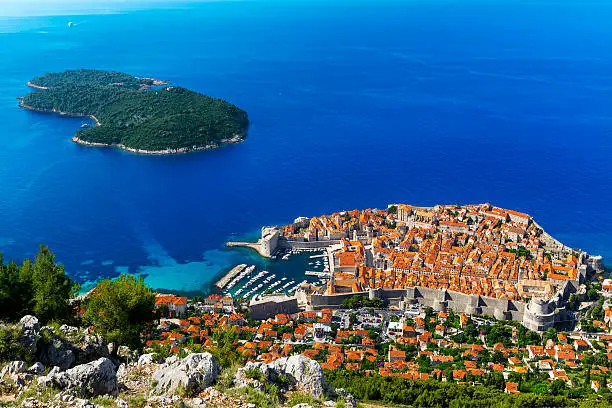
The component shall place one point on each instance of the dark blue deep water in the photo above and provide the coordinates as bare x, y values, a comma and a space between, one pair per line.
353, 104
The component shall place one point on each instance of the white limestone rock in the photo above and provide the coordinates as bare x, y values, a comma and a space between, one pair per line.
91, 379
56, 352
146, 359
90, 347
305, 374
194, 373
349, 400
69, 330
12, 369
36, 369
121, 371
241, 379
29, 322
121, 403
125, 353
29, 333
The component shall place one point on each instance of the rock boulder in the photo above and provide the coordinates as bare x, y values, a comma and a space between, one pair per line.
29, 333
251, 373
13, 368
304, 373
88, 380
56, 352
70, 346
146, 359
36, 369
194, 373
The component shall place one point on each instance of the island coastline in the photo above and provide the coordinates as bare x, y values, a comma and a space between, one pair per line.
53, 111
75, 139
32, 85
146, 84
166, 152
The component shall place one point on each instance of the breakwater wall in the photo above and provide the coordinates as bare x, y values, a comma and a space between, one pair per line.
251, 245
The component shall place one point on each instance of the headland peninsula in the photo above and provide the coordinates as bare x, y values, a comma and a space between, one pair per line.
139, 115
477, 259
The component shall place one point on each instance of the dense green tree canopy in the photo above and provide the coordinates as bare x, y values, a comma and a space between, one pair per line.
51, 287
398, 390
358, 301
119, 309
41, 288
135, 116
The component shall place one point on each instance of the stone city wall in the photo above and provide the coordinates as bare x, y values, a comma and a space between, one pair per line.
263, 309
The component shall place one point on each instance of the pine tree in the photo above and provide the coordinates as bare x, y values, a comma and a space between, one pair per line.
51, 288
120, 308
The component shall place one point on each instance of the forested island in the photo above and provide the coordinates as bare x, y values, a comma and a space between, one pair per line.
140, 115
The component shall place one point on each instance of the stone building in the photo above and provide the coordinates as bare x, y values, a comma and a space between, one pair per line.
539, 315
269, 240
263, 307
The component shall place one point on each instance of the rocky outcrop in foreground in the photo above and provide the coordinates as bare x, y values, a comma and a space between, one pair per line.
81, 366
190, 375
296, 372
305, 374
86, 380
64, 347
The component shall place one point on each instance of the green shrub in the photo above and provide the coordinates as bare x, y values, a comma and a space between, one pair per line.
104, 401
302, 398
138, 401
161, 352
253, 373
397, 390
120, 309
39, 287
259, 398
226, 379
10, 348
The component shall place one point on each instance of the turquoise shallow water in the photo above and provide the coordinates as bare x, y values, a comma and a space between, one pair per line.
353, 104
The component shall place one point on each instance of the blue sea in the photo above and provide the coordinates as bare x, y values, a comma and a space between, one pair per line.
353, 104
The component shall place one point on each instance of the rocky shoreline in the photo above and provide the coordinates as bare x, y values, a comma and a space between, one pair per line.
183, 150
31, 85
69, 114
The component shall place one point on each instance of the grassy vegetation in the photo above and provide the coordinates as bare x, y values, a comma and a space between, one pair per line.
302, 398
253, 373
44, 395
253, 396
138, 401
104, 401
226, 379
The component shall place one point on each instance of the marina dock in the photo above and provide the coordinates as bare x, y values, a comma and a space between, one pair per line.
319, 274
230, 275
